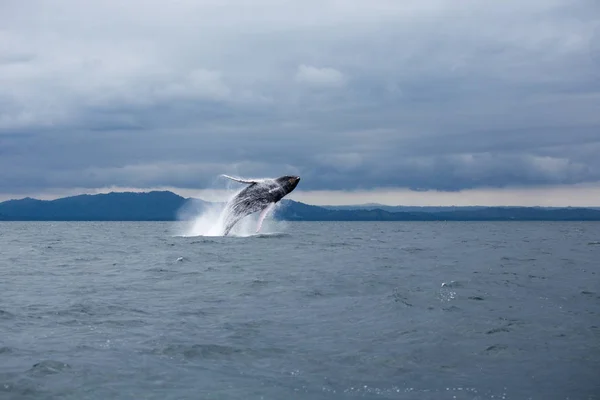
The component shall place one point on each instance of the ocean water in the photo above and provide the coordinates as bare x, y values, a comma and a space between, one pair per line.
363, 310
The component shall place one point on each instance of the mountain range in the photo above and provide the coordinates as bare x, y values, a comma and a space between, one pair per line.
168, 206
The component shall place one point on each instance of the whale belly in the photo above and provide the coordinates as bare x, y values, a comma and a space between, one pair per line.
240, 208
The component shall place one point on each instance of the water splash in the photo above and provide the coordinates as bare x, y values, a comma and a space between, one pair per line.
208, 219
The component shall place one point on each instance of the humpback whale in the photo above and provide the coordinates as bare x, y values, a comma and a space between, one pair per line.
259, 195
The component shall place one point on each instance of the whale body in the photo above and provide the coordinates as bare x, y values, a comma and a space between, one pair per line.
260, 195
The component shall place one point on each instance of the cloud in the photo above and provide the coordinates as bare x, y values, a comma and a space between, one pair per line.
319, 77
350, 95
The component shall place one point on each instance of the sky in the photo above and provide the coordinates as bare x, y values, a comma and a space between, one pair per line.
470, 102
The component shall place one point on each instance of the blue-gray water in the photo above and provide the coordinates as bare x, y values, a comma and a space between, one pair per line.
322, 311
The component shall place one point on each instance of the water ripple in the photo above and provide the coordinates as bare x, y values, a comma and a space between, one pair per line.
325, 310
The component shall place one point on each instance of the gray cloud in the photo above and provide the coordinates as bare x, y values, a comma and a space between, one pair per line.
423, 94
319, 77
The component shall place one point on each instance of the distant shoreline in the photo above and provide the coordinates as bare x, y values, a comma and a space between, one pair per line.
165, 206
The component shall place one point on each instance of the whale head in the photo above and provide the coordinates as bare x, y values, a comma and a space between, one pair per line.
288, 183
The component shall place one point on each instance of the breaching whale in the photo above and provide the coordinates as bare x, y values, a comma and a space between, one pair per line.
259, 195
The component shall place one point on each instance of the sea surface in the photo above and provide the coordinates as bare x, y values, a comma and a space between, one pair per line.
353, 310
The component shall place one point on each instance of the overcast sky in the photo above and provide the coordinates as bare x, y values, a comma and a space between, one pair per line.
416, 101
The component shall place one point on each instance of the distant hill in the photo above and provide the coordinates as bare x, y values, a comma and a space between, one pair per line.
402, 208
168, 206
303, 212
152, 206
430, 209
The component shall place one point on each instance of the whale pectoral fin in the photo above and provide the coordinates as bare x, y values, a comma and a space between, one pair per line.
240, 179
263, 215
